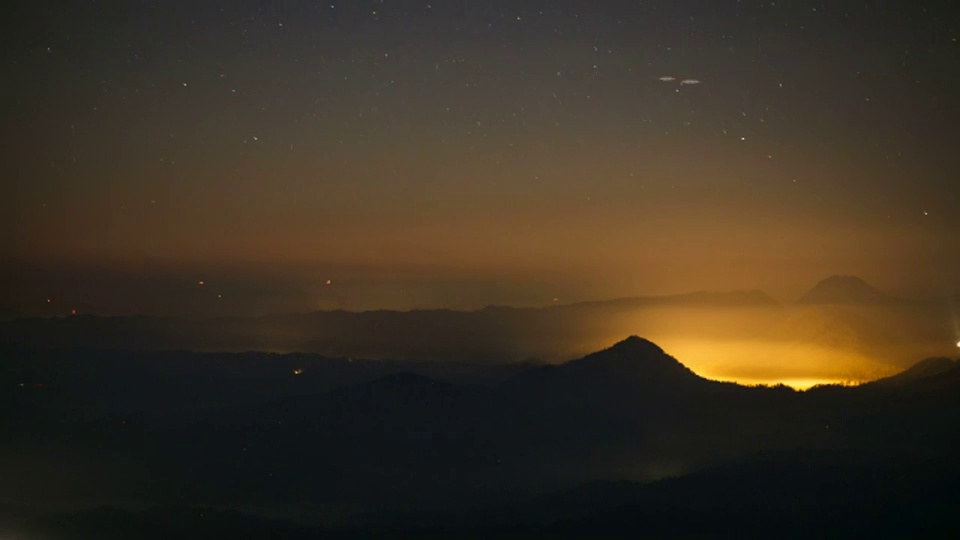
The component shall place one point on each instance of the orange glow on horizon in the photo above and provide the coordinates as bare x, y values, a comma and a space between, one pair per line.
800, 384
760, 362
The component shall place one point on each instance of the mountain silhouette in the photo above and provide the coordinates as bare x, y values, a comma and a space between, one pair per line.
630, 366
838, 314
411, 445
626, 396
844, 290
493, 334
931, 367
637, 360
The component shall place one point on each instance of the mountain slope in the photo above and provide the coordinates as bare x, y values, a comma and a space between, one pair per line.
634, 366
931, 367
843, 290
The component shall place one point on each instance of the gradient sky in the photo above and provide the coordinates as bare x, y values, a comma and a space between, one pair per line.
464, 153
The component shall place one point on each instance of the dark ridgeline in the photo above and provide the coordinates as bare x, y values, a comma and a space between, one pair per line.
494, 333
839, 313
926, 369
623, 442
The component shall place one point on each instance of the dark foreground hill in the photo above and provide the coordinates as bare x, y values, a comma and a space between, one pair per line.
623, 442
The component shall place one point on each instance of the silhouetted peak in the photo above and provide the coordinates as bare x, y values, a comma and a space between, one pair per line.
635, 346
843, 289
631, 353
631, 358
629, 366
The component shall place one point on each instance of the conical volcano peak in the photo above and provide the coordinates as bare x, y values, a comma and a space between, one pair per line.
631, 360
635, 346
631, 353
843, 290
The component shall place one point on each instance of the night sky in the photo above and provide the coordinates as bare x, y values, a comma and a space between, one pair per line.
464, 153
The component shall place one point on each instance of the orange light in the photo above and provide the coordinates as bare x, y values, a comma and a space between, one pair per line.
329, 282
200, 283
73, 312
298, 371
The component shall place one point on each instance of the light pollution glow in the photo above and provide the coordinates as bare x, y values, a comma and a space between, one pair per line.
768, 363
434, 156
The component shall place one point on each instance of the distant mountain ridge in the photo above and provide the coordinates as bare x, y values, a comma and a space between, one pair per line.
844, 290
494, 333
838, 314
710, 298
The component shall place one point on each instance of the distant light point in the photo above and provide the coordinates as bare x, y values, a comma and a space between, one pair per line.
49, 300
200, 283
329, 282
73, 312
298, 371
